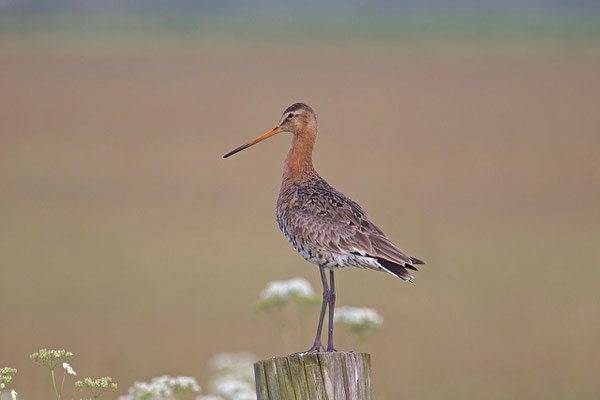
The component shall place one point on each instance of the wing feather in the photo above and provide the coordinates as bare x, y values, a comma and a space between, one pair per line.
331, 222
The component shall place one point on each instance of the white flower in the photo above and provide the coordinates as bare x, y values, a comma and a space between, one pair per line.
234, 376
285, 290
238, 364
358, 318
233, 388
162, 387
13, 394
246, 396
186, 383
229, 386
2, 385
69, 369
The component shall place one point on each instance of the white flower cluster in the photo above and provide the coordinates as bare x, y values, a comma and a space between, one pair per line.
234, 363
285, 290
162, 388
233, 380
6, 375
233, 389
69, 369
51, 358
358, 319
13, 394
234, 376
97, 386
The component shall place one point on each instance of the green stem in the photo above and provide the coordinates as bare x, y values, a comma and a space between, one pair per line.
360, 341
277, 318
287, 341
54, 385
63, 381
285, 333
302, 327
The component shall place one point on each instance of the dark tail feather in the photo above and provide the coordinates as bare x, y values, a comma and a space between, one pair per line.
408, 266
416, 261
397, 269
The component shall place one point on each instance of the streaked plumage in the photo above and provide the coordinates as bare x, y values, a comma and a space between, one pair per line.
329, 229
323, 225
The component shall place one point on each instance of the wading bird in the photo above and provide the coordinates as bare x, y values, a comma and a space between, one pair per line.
324, 226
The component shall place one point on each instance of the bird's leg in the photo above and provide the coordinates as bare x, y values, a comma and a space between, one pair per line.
317, 345
331, 311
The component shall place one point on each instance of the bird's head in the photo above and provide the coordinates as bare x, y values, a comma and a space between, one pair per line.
298, 119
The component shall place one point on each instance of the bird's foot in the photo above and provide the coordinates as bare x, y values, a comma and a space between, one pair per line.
331, 349
316, 348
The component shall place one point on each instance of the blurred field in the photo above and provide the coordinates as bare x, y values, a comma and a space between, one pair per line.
127, 239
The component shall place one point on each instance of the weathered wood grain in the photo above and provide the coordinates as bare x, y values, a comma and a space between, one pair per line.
314, 376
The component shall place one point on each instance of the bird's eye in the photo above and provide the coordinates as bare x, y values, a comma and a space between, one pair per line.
290, 115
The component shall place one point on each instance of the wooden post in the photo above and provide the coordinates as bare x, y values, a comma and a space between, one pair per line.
314, 376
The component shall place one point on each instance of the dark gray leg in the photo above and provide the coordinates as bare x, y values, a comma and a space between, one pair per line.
331, 311
326, 295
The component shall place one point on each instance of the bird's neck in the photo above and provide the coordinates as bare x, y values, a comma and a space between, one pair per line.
298, 163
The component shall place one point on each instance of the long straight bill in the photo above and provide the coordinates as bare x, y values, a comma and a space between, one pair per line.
272, 132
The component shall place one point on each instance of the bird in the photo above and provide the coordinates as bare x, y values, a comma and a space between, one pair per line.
323, 225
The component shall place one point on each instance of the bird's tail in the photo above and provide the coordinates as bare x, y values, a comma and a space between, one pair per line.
416, 261
398, 270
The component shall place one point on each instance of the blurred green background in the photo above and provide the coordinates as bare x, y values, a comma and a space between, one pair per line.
470, 134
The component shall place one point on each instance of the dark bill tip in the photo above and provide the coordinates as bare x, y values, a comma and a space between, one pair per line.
232, 152
272, 132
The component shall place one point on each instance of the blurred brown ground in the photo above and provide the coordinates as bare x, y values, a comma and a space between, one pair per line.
127, 239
